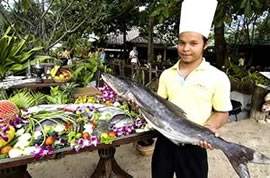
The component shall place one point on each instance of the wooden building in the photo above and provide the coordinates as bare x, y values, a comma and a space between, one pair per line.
115, 47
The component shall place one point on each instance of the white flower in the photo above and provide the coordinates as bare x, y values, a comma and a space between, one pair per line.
59, 128
116, 104
15, 152
88, 128
24, 137
37, 134
22, 144
19, 132
29, 150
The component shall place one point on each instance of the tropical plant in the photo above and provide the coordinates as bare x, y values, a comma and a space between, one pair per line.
84, 71
24, 98
61, 94
242, 74
3, 95
14, 53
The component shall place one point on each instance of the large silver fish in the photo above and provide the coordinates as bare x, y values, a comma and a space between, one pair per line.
170, 120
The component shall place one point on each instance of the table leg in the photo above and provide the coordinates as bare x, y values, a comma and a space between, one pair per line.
15, 172
107, 164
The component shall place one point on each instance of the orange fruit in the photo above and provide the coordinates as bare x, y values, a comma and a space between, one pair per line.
49, 140
112, 134
86, 135
6, 149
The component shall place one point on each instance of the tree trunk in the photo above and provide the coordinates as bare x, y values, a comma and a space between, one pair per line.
257, 101
220, 46
43, 26
150, 51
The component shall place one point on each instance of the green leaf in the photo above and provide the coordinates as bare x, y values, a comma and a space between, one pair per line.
228, 19
8, 30
164, 2
51, 100
13, 53
257, 4
17, 67
43, 58
76, 73
88, 78
243, 4
22, 98
19, 46
166, 12
161, 19
248, 11
26, 4
157, 11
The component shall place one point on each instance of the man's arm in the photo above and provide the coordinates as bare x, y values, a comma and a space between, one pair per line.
216, 121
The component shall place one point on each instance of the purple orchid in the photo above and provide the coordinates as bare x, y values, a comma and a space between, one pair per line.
3, 131
94, 141
41, 151
85, 142
107, 94
91, 108
140, 122
125, 130
18, 122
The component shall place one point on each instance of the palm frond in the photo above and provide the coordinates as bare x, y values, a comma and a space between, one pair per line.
3, 95
22, 98
39, 97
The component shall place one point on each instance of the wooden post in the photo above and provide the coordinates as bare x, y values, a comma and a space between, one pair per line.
257, 101
122, 68
150, 72
164, 54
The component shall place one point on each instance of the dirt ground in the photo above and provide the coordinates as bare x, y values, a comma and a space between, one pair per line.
247, 132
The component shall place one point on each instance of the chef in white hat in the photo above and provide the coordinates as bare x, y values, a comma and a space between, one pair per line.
197, 87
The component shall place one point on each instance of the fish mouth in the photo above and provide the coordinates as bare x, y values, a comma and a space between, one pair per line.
105, 78
108, 79
111, 81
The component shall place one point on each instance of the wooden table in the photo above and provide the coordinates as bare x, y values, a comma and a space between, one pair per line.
45, 84
17, 167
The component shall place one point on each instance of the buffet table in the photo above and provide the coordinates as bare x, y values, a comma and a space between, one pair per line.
17, 167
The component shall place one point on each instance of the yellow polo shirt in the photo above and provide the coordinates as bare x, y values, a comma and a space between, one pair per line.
205, 89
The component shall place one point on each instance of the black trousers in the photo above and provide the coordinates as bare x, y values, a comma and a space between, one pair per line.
188, 161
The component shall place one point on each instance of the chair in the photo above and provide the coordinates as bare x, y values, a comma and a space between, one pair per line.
237, 108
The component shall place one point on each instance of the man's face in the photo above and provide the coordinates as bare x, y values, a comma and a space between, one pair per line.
190, 46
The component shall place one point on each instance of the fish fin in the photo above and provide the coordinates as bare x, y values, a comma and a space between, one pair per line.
240, 155
146, 114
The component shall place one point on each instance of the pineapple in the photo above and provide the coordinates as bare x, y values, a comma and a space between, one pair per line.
8, 111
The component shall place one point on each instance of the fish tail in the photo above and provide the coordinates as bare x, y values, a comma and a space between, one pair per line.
240, 155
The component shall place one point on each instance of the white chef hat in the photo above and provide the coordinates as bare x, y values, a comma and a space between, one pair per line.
197, 16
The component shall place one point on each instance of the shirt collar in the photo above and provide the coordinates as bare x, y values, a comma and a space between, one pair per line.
203, 65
